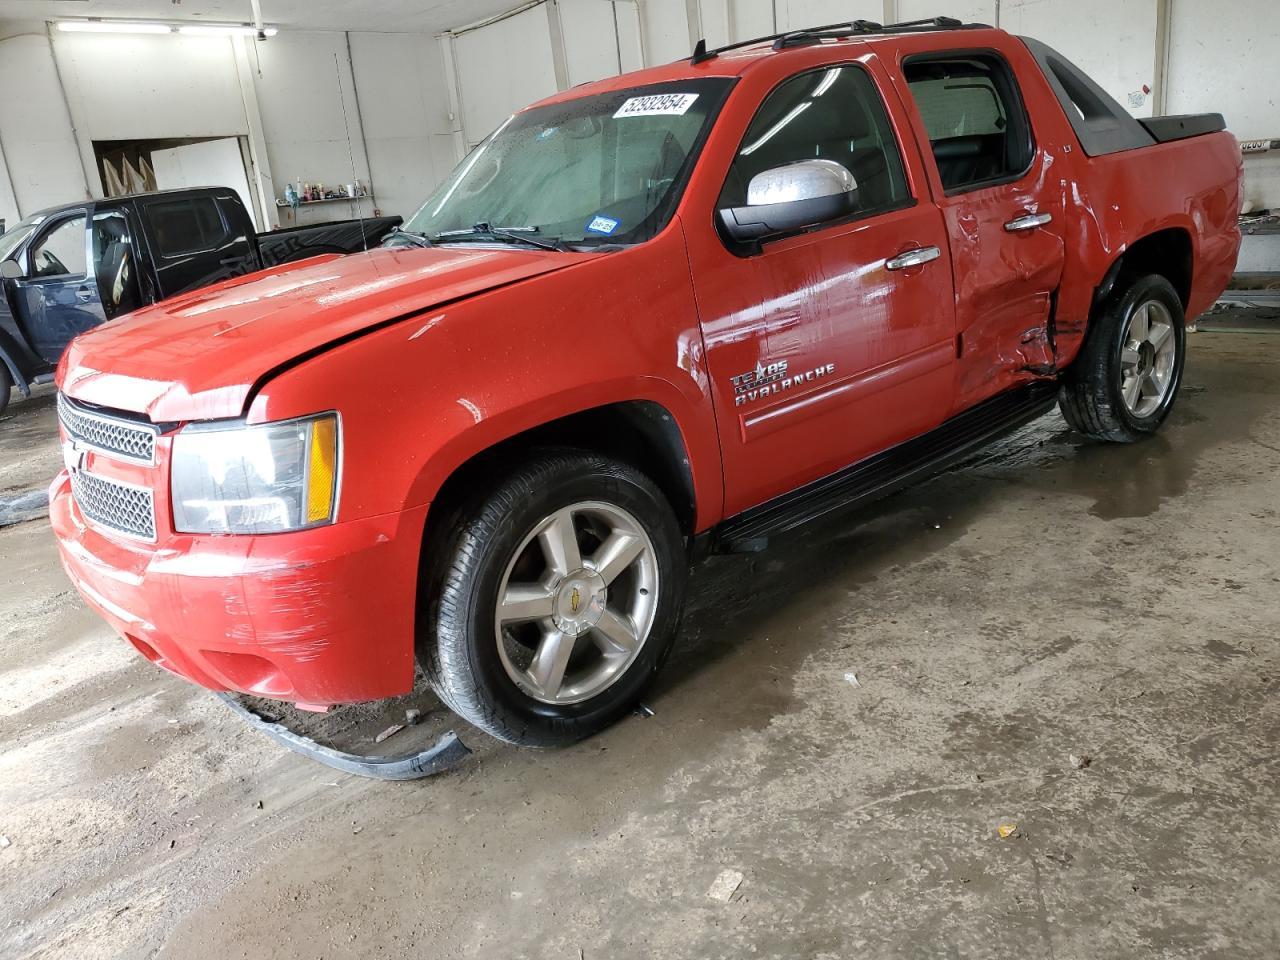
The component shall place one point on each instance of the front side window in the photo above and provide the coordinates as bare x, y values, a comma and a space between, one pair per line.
973, 117
608, 168
834, 114
61, 252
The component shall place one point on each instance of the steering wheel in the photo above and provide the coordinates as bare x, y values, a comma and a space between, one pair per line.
52, 266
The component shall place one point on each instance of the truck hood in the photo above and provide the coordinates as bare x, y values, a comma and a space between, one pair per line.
199, 356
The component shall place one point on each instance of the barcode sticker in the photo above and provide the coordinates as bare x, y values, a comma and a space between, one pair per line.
657, 105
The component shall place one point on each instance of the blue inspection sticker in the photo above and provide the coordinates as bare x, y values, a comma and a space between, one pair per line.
605, 225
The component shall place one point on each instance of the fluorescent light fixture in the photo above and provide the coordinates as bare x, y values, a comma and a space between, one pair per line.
187, 30
769, 134
111, 26
209, 30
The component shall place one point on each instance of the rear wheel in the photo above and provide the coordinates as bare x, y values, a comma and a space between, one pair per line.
559, 599
6, 382
1124, 382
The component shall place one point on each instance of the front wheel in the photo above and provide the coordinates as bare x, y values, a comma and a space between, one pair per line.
6, 382
558, 598
1123, 384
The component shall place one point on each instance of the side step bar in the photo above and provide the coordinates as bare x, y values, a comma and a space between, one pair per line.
888, 472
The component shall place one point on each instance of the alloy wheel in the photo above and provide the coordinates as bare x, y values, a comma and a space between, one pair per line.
1148, 358
576, 602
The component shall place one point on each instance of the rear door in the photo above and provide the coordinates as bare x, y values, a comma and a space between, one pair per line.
192, 242
59, 294
1003, 212
825, 347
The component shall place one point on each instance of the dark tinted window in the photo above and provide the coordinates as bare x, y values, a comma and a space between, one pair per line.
186, 226
832, 114
974, 119
234, 214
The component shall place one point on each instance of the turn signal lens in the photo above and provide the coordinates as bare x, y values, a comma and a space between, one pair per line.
322, 469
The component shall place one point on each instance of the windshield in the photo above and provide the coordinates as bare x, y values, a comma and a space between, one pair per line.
16, 234
603, 169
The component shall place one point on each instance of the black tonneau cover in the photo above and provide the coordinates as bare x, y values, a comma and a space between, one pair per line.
1179, 127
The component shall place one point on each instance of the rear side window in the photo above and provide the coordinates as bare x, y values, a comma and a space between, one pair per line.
829, 114
192, 225
974, 117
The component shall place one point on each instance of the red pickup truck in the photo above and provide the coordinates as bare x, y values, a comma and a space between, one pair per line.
686, 309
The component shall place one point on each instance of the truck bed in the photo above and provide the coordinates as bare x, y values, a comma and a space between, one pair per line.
339, 236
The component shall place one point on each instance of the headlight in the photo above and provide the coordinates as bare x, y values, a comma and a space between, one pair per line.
255, 479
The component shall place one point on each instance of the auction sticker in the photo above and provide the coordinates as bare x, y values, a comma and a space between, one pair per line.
657, 105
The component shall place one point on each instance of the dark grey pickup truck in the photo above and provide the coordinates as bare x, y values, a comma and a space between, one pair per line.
70, 268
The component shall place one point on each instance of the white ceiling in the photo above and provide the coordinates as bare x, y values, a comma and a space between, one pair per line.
384, 16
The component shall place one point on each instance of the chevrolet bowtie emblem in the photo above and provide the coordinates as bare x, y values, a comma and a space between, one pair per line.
575, 600
72, 457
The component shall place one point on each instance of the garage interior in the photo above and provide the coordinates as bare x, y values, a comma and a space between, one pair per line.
1026, 708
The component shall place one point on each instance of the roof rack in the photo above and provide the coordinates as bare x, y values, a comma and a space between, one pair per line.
833, 31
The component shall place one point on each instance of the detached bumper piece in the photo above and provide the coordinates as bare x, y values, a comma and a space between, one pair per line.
447, 753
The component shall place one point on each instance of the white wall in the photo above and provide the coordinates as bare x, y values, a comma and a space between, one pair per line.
968, 11
592, 47
1223, 58
35, 129
501, 68
1112, 42
309, 116
123, 87
8, 202
400, 79
1220, 58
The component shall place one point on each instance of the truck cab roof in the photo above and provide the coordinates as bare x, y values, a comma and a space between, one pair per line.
734, 59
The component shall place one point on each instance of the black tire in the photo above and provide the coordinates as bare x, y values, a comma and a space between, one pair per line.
1090, 397
459, 647
6, 383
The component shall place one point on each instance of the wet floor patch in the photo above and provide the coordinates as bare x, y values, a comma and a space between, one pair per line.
21, 507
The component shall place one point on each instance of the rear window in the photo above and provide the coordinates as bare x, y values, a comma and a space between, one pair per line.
968, 107
188, 226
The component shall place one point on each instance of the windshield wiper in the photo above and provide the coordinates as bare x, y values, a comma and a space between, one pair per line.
510, 234
412, 236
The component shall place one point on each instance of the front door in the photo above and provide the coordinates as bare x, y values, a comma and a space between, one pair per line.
1004, 216
59, 295
826, 346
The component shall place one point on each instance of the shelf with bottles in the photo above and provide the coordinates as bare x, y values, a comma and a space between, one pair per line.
302, 194
338, 199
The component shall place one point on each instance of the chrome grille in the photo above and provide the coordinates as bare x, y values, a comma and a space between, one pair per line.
121, 507
123, 439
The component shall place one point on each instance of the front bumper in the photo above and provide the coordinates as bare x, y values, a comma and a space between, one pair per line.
321, 616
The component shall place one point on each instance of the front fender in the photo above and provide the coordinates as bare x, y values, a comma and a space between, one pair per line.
487, 432
422, 396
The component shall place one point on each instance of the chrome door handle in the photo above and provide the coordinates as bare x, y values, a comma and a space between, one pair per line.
1028, 222
913, 258
84, 295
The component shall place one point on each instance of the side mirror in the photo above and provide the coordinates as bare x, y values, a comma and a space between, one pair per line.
792, 197
9, 270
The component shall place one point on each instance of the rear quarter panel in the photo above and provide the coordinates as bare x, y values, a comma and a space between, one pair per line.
1114, 200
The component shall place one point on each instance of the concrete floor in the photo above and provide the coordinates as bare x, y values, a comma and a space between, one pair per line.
1049, 599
